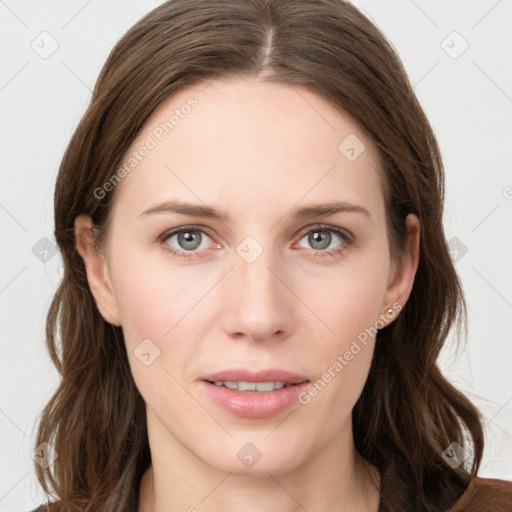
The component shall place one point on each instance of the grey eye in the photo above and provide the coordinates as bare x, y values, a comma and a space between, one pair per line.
320, 239
188, 239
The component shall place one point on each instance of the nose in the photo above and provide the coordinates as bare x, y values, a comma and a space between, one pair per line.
260, 307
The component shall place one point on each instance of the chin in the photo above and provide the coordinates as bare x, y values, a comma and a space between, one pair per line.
257, 458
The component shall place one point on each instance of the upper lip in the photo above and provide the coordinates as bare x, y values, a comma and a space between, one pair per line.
265, 375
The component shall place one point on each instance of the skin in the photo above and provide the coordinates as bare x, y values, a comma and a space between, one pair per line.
255, 150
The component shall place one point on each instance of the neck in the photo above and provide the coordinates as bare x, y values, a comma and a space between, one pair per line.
326, 482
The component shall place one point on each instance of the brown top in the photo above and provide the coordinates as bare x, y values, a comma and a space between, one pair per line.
481, 495
485, 494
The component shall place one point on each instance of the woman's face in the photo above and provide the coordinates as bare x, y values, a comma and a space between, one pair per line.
261, 285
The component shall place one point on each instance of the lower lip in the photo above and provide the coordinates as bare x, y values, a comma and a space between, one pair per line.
254, 404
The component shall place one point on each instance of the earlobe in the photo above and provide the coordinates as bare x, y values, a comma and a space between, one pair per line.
402, 273
96, 269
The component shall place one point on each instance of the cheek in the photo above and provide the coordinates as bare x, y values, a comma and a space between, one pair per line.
350, 307
160, 309
151, 304
151, 299
347, 300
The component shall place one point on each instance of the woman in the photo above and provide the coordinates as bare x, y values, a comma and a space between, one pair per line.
256, 281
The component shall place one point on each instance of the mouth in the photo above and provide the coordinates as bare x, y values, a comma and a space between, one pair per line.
260, 381
258, 387
254, 394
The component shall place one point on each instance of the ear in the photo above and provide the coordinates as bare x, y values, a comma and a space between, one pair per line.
97, 271
403, 272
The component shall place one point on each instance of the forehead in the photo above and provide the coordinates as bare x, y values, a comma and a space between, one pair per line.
250, 143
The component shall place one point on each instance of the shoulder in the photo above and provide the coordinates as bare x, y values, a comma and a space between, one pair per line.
485, 494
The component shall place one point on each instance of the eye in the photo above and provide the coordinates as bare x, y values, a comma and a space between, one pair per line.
327, 239
185, 239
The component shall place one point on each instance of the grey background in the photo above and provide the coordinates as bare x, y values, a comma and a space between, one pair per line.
467, 95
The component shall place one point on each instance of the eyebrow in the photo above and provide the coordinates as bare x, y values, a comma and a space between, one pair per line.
300, 213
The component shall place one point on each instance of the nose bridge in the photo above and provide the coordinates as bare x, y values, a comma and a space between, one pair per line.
258, 284
258, 303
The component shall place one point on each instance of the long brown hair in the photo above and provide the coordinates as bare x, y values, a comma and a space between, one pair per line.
408, 413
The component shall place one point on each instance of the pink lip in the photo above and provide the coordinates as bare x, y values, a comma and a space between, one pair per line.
254, 404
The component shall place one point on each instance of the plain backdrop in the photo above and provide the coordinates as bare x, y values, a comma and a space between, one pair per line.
455, 54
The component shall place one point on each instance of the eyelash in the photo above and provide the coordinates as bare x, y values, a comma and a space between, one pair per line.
347, 240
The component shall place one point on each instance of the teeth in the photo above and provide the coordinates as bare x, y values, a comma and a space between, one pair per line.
250, 386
